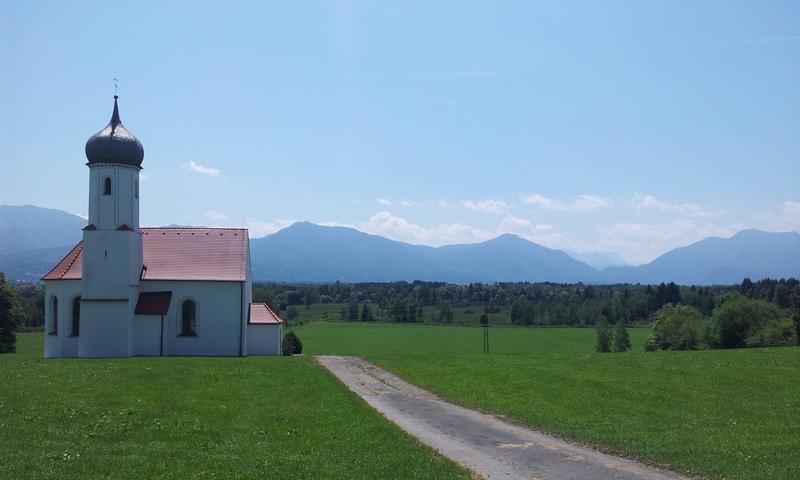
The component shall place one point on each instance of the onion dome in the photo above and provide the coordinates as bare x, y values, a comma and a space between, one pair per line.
114, 144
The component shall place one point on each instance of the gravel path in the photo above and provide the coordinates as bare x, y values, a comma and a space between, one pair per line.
486, 445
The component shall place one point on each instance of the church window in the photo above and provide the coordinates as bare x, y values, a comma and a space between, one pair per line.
54, 311
75, 321
189, 319
107, 186
136, 188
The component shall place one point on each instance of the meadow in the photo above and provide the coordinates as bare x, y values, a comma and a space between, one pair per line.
200, 418
715, 413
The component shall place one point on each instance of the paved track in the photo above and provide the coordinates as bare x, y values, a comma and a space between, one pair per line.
486, 445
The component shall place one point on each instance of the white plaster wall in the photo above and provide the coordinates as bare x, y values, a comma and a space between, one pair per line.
61, 345
112, 263
147, 335
219, 316
107, 212
264, 339
106, 328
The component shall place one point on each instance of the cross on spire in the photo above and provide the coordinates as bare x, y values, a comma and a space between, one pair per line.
116, 86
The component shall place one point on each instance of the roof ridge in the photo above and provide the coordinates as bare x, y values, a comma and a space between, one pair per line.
192, 228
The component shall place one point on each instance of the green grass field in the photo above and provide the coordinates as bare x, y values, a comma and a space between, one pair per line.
199, 418
723, 414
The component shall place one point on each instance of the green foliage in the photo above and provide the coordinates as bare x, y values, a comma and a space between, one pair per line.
10, 317
714, 414
445, 314
522, 312
204, 418
366, 315
622, 340
743, 322
292, 313
350, 313
604, 335
676, 327
795, 305
291, 344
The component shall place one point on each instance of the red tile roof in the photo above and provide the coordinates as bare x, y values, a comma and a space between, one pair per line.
70, 267
261, 314
212, 254
153, 303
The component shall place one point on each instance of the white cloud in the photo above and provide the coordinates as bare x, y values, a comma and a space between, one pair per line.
84, 216
216, 216
486, 206
398, 228
402, 203
584, 203
642, 242
542, 201
786, 216
650, 202
194, 167
258, 228
792, 209
587, 203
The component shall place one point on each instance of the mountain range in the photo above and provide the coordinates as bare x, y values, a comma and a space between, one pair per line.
33, 239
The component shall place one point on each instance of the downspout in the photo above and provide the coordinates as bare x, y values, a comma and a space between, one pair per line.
161, 344
241, 317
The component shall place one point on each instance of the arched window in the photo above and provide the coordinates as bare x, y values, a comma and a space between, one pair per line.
54, 322
107, 186
75, 321
188, 319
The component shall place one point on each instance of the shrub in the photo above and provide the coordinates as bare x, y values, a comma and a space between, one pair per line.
622, 341
291, 345
743, 322
676, 327
10, 317
603, 335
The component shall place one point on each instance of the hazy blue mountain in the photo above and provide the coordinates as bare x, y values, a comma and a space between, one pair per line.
308, 252
749, 253
305, 252
25, 228
600, 260
33, 240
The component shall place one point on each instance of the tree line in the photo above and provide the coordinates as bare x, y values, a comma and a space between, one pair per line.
528, 303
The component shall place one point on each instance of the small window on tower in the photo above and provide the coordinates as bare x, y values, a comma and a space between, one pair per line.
107, 186
136, 188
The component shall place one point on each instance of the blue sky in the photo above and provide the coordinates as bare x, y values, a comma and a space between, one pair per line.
631, 127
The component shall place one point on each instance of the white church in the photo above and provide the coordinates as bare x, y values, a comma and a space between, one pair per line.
125, 290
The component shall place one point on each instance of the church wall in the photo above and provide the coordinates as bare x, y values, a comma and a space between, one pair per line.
61, 345
111, 263
106, 327
264, 339
147, 335
219, 311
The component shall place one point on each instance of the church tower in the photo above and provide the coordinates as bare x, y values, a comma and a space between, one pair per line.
112, 243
